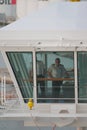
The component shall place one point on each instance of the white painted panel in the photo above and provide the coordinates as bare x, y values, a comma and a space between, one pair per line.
26, 6
42, 4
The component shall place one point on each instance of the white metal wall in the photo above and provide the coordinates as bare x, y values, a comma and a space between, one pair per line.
23, 7
26, 6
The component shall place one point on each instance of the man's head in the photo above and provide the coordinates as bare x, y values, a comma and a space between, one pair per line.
57, 61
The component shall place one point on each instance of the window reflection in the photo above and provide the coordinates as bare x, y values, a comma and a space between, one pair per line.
21, 62
57, 80
82, 76
7, 88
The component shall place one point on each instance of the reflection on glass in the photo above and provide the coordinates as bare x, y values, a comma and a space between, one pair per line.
40, 73
7, 89
82, 77
21, 62
57, 80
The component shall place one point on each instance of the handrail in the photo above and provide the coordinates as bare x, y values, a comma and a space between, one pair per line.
49, 79
9, 81
54, 79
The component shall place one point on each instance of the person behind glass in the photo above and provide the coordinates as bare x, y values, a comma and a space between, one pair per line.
57, 70
40, 73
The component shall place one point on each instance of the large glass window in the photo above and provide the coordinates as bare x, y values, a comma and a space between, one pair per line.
21, 63
82, 77
7, 88
55, 77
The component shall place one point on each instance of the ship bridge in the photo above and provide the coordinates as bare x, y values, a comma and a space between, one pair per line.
57, 31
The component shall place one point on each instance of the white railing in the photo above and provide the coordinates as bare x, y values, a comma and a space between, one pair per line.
3, 90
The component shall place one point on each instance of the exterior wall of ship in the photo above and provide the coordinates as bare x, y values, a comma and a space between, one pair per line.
19, 125
41, 3
26, 6
57, 0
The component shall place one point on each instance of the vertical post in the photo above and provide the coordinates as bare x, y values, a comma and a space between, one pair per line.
34, 77
4, 89
76, 77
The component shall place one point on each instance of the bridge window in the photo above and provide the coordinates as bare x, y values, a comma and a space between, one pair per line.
21, 62
82, 77
55, 84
